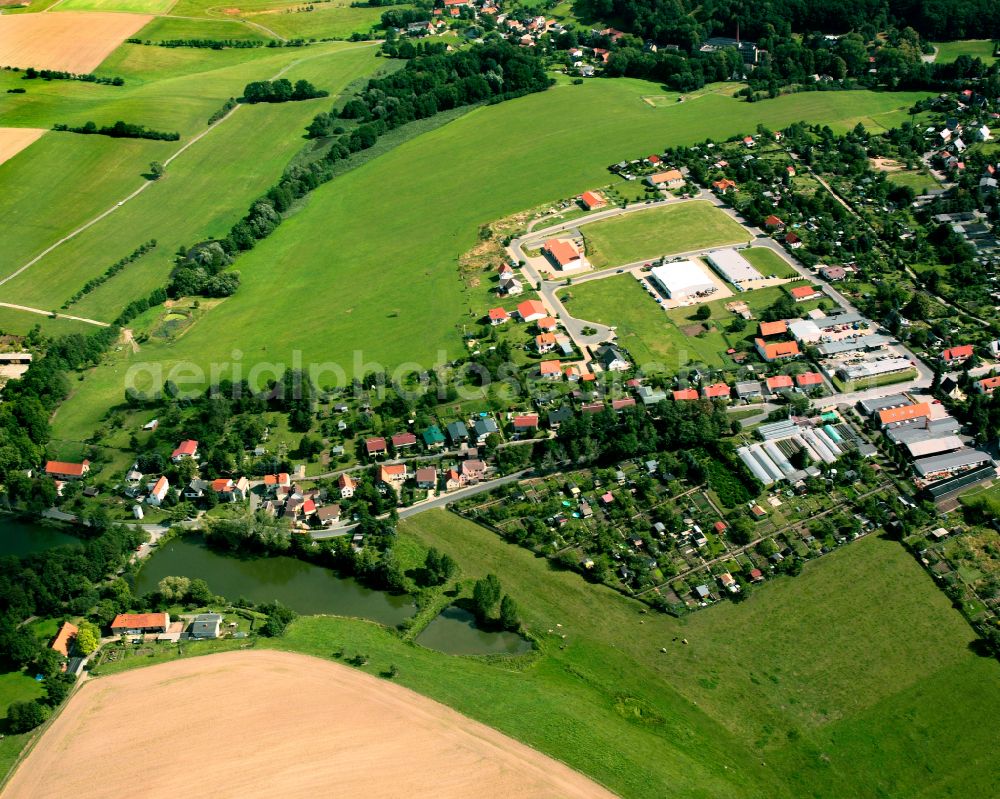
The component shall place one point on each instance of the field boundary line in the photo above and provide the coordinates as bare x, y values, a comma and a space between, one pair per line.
148, 183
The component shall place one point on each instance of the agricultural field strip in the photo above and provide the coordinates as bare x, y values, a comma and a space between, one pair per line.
166, 162
28, 309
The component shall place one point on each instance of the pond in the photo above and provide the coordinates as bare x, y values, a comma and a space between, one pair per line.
454, 632
303, 587
19, 537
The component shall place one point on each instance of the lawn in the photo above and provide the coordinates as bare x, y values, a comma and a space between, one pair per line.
410, 232
665, 230
337, 20
168, 28
974, 48
652, 338
132, 6
918, 180
811, 688
768, 262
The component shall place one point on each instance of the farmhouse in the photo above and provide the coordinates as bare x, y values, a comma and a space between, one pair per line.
563, 254
64, 470
803, 293
531, 311
672, 178
140, 623
683, 280
592, 201
63, 640
776, 350
206, 625
733, 267
186, 449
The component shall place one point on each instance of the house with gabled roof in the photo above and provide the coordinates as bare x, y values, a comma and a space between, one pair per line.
550, 370
776, 351
346, 484
403, 440
457, 432
592, 200
685, 394
498, 316
531, 311
433, 437
375, 447
158, 491
66, 470
959, 354
716, 391
186, 449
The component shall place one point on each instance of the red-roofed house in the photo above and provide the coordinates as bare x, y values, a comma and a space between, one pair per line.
472, 471
748, 141
591, 200
778, 382
776, 350
716, 391
545, 342
792, 240
774, 223
531, 311
987, 385
672, 178
186, 449
139, 623
778, 328
393, 475
720, 527
375, 446
64, 640
231, 491
724, 186
498, 316
64, 470
525, 423
803, 293
550, 370
809, 380
157, 491
563, 254
547, 324
958, 354
685, 394
654, 159
756, 575
346, 484
403, 440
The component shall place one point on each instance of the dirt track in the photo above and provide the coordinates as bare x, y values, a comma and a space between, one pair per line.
71, 41
13, 140
275, 724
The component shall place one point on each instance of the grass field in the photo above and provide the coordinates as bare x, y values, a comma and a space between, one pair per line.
815, 687
328, 20
132, 6
918, 180
974, 48
664, 230
411, 232
167, 28
654, 337
768, 262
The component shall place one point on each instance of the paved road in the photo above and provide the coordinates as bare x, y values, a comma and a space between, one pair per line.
436, 503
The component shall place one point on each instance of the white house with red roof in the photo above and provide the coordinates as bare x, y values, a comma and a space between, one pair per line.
346, 484
186, 449
158, 491
531, 311
67, 470
564, 254
498, 316
958, 354
375, 447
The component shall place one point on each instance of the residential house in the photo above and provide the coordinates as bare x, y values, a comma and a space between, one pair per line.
375, 447
833, 273
749, 389
808, 380
346, 484
685, 394
393, 475
611, 359
505, 272
724, 186
550, 370
472, 471
498, 316
158, 491
955, 355
433, 437
907, 413
650, 395
453, 480
63, 642
563, 254
206, 625
196, 488
622, 403
545, 342
547, 324
592, 200
511, 287
716, 391
140, 623
559, 415
779, 383
803, 293
777, 350
186, 449
484, 426
778, 328
66, 470
793, 240
774, 223
671, 178
525, 424
457, 433
403, 440
987, 385
427, 477
328, 515
531, 311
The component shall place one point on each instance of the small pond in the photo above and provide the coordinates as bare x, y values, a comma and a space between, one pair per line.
454, 632
19, 537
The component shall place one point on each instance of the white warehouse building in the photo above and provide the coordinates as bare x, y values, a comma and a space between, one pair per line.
733, 267
683, 280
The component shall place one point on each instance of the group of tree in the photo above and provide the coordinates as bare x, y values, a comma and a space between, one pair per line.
119, 130
111, 271
487, 594
57, 74
203, 270
280, 91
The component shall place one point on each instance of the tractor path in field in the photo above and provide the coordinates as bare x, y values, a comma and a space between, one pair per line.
28, 309
191, 142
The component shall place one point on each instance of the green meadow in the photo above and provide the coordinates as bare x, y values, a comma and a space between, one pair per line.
131, 6
169, 28
768, 262
853, 679
974, 48
664, 230
369, 264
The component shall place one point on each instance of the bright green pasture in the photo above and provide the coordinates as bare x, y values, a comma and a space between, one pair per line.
768, 262
327, 20
57, 184
17, 322
974, 48
201, 195
169, 28
918, 180
132, 6
369, 264
644, 328
813, 687
664, 230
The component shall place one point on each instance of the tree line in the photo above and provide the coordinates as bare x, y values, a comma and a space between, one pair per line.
110, 272
58, 74
119, 130
280, 91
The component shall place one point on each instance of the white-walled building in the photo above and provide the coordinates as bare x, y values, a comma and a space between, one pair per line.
683, 280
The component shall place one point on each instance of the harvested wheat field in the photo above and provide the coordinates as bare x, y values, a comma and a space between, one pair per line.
13, 140
264, 723
70, 41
